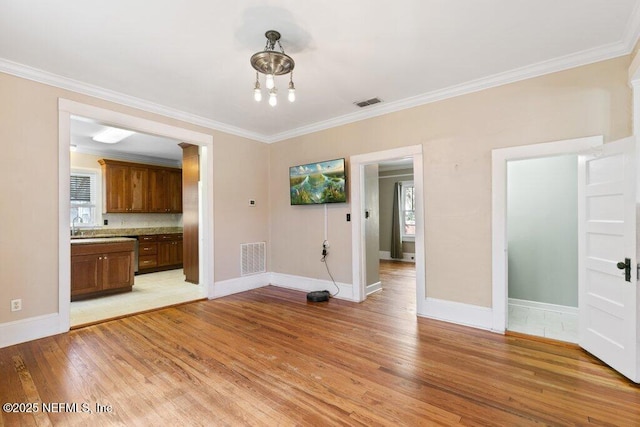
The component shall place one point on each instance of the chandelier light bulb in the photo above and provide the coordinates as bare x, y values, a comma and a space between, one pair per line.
292, 90
270, 82
273, 99
257, 94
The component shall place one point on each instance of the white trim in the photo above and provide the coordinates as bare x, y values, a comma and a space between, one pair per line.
374, 287
308, 284
499, 158
632, 30
635, 86
287, 281
536, 305
406, 256
459, 313
32, 328
577, 59
41, 76
64, 238
357, 164
66, 109
240, 284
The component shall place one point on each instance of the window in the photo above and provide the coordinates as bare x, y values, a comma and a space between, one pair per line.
83, 199
407, 204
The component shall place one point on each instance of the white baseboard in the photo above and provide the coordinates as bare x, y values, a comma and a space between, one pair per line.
30, 329
375, 287
406, 257
464, 314
459, 313
224, 288
308, 284
544, 306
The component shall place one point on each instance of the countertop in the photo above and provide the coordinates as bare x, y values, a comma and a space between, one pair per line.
125, 232
88, 241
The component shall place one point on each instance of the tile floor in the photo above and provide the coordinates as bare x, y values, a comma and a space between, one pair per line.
544, 323
152, 290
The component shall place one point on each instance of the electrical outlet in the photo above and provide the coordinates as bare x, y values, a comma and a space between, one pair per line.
16, 304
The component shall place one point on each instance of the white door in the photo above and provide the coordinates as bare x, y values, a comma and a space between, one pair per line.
606, 237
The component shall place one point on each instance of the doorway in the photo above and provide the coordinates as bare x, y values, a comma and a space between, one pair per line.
360, 258
542, 242
500, 237
69, 109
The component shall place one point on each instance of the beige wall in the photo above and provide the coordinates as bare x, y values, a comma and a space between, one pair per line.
29, 188
457, 136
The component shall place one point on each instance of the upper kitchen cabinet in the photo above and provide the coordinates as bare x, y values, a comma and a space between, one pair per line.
165, 190
126, 187
138, 188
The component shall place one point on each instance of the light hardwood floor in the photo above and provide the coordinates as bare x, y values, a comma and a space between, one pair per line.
150, 291
267, 357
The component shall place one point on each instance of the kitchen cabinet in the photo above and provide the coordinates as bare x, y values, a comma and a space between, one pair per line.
159, 252
147, 252
126, 187
165, 190
169, 249
101, 268
139, 188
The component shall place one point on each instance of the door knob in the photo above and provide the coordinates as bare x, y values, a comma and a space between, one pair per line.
626, 266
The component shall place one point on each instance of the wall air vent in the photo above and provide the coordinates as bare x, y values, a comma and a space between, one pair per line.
368, 102
253, 258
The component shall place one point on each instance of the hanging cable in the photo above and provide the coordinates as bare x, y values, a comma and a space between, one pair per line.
324, 260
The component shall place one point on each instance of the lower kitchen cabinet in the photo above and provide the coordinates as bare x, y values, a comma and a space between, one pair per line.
101, 268
159, 252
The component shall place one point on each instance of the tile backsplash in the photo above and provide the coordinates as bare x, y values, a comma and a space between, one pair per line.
142, 220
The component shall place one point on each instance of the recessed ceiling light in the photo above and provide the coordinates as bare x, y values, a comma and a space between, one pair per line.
112, 135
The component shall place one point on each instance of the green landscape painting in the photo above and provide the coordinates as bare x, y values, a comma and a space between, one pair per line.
315, 183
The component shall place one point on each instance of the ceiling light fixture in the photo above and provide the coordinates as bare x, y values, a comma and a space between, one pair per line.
112, 135
272, 63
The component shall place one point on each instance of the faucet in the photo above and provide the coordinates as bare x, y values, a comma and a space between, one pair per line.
73, 224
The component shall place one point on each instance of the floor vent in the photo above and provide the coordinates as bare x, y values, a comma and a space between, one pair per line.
252, 258
368, 102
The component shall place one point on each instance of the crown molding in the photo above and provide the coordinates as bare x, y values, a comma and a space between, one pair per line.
40, 76
613, 50
586, 57
632, 30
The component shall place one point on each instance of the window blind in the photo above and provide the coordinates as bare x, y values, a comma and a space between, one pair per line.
80, 188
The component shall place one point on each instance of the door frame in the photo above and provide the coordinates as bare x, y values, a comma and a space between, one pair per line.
68, 108
499, 159
357, 189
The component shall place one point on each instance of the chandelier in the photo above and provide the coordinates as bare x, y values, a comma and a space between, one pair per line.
272, 63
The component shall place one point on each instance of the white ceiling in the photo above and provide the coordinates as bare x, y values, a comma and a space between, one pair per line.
190, 59
138, 147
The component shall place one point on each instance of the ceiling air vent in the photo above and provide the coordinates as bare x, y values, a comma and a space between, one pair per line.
368, 102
